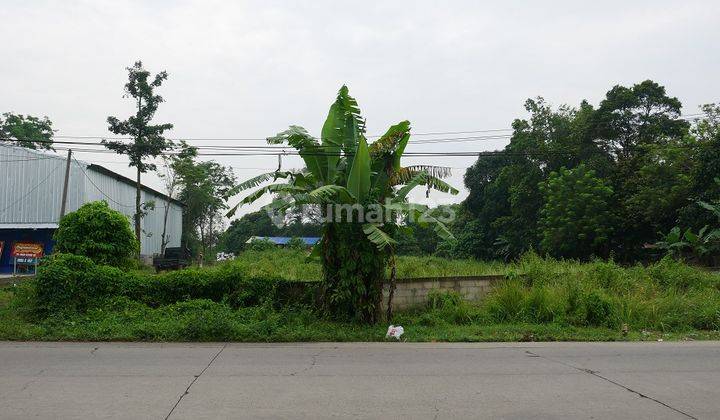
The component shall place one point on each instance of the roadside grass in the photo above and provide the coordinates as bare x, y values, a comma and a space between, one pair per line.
293, 265
253, 299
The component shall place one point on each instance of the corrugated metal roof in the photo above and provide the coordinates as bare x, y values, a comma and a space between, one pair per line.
283, 240
31, 184
28, 225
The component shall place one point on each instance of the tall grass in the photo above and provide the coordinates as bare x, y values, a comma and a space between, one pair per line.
293, 265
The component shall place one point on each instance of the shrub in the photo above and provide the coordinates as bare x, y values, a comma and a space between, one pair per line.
97, 232
542, 305
600, 310
258, 244
67, 282
439, 299
296, 243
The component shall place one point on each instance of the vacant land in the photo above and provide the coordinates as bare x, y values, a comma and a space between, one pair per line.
265, 297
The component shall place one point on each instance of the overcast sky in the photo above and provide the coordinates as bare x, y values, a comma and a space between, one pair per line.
251, 68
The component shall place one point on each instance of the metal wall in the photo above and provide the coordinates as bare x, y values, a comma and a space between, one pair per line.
31, 186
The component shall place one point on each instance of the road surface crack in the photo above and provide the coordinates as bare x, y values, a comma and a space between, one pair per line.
313, 362
187, 390
597, 375
32, 381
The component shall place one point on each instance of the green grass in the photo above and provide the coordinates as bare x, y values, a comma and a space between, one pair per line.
292, 265
541, 300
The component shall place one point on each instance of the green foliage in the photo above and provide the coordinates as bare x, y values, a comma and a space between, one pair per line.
702, 246
578, 182
250, 300
97, 232
148, 139
505, 304
600, 310
204, 188
343, 169
576, 218
67, 282
26, 131
296, 244
260, 244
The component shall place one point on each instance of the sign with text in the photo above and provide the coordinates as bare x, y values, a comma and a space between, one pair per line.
29, 250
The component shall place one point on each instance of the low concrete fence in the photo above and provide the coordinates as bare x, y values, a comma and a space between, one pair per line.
414, 291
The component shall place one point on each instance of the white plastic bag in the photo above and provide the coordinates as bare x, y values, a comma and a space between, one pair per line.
395, 331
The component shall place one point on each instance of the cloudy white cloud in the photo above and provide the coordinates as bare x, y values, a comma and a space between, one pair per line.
249, 69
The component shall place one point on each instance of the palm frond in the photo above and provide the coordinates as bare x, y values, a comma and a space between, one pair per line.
434, 173
439, 227
379, 238
419, 179
308, 148
261, 179
255, 195
327, 193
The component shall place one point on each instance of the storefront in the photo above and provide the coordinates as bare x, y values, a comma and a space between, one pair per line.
22, 247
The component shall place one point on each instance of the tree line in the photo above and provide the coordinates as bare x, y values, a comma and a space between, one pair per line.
583, 182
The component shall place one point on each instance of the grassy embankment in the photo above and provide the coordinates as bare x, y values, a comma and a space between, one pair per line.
542, 300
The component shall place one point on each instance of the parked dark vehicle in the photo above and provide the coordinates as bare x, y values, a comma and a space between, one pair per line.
174, 259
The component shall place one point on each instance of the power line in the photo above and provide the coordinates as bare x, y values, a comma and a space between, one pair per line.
437, 133
96, 187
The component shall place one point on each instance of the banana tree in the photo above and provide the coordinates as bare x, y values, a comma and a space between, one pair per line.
344, 175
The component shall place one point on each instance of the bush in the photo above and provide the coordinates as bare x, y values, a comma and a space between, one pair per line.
600, 310
505, 303
542, 305
99, 233
67, 282
296, 244
260, 245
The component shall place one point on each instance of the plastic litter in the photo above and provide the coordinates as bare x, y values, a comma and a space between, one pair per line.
395, 332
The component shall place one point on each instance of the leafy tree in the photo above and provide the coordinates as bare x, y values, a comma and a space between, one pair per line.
705, 156
576, 219
171, 178
148, 140
633, 124
252, 224
205, 187
342, 169
97, 232
635, 140
26, 131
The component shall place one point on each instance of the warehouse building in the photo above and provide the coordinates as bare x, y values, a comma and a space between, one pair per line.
31, 186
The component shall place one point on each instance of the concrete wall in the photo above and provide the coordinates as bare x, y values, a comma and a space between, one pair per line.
414, 291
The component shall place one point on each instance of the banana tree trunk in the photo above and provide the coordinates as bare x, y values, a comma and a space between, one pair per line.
354, 272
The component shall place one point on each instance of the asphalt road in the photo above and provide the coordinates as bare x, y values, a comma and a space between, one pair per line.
360, 380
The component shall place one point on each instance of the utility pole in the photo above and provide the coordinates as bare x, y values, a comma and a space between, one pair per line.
63, 205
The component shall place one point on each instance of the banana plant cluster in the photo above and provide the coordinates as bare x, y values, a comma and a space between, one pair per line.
341, 168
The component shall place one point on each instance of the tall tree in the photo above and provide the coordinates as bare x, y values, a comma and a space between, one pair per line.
26, 131
148, 139
575, 220
635, 124
171, 180
205, 187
